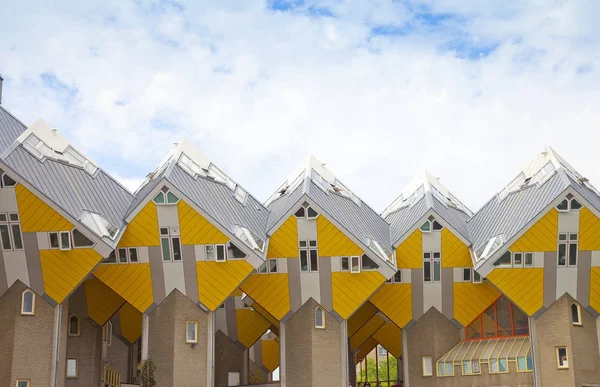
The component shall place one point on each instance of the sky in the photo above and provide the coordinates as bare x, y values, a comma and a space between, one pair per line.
378, 90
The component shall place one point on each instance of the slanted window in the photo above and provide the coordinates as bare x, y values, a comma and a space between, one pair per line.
501, 319
398, 277
262, 269
505, 260
234, 252
426, 227
28, 303
309, 256
563, 206
524, 363
10, 232
191, 329
427, 365
74, 327
345, 263
72, 368
576, 314
562, 360
567, 249
575, 205
112, 258
22, 383
435, 226
165, 198
6, 181
355, 264
569, 203
367, 263
476, 277
301, 213
432, 267
319, 318
306, 212
273, 265
171, 244
80, 240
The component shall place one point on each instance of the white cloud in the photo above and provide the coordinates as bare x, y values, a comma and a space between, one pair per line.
257, 90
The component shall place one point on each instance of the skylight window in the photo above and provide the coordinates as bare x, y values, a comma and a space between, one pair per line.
99, 225
248, 237
69, 155
489, 248
240, 194
523, 181
402, 202
380, 251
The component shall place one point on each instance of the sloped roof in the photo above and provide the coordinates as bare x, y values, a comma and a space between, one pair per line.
403, 220
10, 129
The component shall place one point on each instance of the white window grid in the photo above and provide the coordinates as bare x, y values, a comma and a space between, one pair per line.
432, 267
568, 249
11, 237
170, 240
309, 256
216, 252
127, 255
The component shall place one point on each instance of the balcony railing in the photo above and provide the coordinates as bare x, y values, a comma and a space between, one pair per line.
112, 378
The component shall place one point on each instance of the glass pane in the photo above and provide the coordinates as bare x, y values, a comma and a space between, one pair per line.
504, 260
123, 255
235, 252
521, 363
427, 271
426, 255
171, 198
164, 231
191, 331
466, 367
575, 313
160, 198
318, 317
562, 254
562, 357
368, 264
112, 258
133, 255
303, 260
476, 276
563, 206
436, 226
312, 243
528, 259
16, 231
3, 218
493, 365
503, 316
467, 275
437, 271
562, 237
71, 367
27, 302
398, 276
529, 363
80, 240
5, 236
440, 369
502, 365
345, 264
449, 368
210, 252
427, 366
572, 237
474, 329
272, 266
8, 181
65, 240
518, 258
572, 254
314, 264
355, 264
437, 255
22, 384
220, 251
520, 321
311, 213
15, 218
262, 268
575, 205
74, 325
166, 249
300, 213
426, 226
302, 244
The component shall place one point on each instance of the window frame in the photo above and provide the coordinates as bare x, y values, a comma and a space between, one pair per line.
10, 224
170, 236
432, 261
358, 258
165, 201
269, 268
423, 359
557, 349
347, 259
187, 338
3, 183
24, 313
470, 271
28, 381
568, 242
308, 248
78, 333
60, 241
322, 311
76, 368
224, 258
107, 333
579, 321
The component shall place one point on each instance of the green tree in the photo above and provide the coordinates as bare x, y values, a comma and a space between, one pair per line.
147, 374
372, 372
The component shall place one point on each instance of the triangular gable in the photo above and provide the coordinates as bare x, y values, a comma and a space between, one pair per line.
284, 242
542, 236
36, 215
333, 242
143, 228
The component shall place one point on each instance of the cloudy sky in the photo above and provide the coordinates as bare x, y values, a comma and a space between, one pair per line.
379, 90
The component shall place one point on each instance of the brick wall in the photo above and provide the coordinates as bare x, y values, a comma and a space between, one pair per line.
585, 352
160, 341
117, 354
10, 304
229, 357
84, 348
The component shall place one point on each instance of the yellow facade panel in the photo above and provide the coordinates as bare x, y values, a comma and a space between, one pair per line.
390, 337
270, 354
366, 331
542, 236
133, 282
409, 255
470, 300
131, 323
63, 270
37, 216
266, 315
217, 280
250, 326
360, 317
454, 252
351, 290
365, 349
271, 291
395, 301
195, 229
332, 242
102, 302
524, 287
589, 230
284, 242
143, 228
595, 288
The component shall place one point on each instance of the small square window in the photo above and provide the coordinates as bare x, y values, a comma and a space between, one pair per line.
562, 237
562, 360
191, 335
312, 243
302, 243
3, 218
15, 218
164, 231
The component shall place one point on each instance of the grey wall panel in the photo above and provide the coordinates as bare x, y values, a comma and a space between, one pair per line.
325, 283
550, 275
584, 267
448, 292
3, 281
231, 318
158, 275
416, 277
34, 266
294, 283
189, 272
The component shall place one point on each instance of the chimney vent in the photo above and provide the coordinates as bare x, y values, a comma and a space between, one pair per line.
1, 80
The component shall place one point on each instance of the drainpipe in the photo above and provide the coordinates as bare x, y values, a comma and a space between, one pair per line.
57, 349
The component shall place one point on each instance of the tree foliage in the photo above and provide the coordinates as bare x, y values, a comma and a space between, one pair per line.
147, 374
372, 371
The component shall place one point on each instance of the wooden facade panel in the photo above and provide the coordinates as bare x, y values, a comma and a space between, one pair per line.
395, 301
470, 300
284, 242
197, 230
218, 280
333, 242
542, 236
133, 282
271, 291
36, 215
409, 255
454, 252
351, 290
524, 287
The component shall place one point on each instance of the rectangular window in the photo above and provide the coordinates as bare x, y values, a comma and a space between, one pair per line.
65, 240
427, 368
398, 277
467, 275
493, 366
303, 260
576, 314
177, 249
309, 256
432, 267
170, 244
72, 367
528, 260
211, 253
518, 260
10, 232
191, 331
166, 249
107, 333
567, 249
262, 269
355, 264
273, 265
345, 264
562, 360
123, 255
22, 383
466, 367
133, 256
53, 240
314, 260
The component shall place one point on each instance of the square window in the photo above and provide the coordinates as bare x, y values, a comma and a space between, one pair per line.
164, 231
562, 237
72, 367
302, 243
436, 255
3, 218
426, 363
312, 243
572, 237
15, 218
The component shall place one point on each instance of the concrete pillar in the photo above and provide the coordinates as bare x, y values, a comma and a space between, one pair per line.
400, 369
210, 358
537, 378
405, 358
282, 359
144, 339
59, 345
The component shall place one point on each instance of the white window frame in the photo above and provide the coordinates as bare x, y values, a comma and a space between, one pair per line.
351, 261
166, 198
3, 183
566, 362
60, 241
477, 278
269, 268
322, 311
308, 248
306, 206
76, 368
579, 322
569, 205
11, 234
32, 312
172, 233
80, 247
424, 360
432, 262
187, 337
347, 259
470, 271
50, 240
567, 243
224, 257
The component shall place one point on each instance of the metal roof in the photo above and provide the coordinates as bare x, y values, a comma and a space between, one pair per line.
404, 220
456, 218
281, 206
10, 129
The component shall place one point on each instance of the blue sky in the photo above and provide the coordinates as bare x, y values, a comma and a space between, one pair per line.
378, 90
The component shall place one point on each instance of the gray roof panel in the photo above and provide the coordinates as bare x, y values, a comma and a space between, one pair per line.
404, 220
455, 217
282, 205
10, 129
586, 192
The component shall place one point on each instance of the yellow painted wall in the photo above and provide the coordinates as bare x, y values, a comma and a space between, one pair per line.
595, 288
63, 270
365, 349
270, 354
390, 337
217, 280
133, 282
284, 242
589, 230
143, 228
395, 301
350, 290
266, 315
360, 317
332, 242
250, 326
271, 291
131, 323
102, 302
409, 255
195, 229
454, 252
37, 216
524, 287
542, 236
366, 331
470, 300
